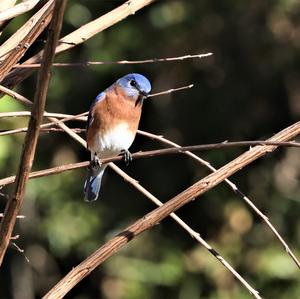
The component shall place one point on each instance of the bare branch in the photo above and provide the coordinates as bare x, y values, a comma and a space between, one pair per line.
19, 216
17, 10
234, 188
15, 202
18, 43
157, 215
46, 114
47, 125
170, 91
90, 63
174, 216
187, 228
153, 153
79, 36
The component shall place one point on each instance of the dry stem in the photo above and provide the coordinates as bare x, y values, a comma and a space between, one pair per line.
79, 36
157, 215
234, 188
15, 202
90, 63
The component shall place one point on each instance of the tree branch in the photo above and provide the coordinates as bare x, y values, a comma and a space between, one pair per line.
192, 233
157, 215
235, 189
15, 202
90, 63
146, 154
15, 47
17, 10
79, 36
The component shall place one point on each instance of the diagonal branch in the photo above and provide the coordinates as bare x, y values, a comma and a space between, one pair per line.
234, 188
90, 63
157, 215
79, 36
139, 155
15, 47
192, 233
17, 10
15, 202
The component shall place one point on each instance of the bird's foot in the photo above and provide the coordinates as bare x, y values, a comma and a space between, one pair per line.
127, 156
95, 163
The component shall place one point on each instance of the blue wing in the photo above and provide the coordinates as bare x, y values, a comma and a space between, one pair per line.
99, 97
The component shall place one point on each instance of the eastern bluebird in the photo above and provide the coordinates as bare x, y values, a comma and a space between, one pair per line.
112, 125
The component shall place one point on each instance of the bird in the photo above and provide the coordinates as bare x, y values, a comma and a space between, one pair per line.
112, 124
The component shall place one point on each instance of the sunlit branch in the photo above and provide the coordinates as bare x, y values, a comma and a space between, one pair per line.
233, 187
90, 63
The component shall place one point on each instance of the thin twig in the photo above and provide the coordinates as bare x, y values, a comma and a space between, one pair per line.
47, 125
19, 216
90, 63
153, 153
187, 228
20, 250
174, 216
21, 40
234, 188
170, 91
79, 36
157, 215
46, 114
15, 202
17, 10
15, 95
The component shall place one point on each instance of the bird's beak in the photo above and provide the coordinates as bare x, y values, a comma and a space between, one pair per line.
142, 96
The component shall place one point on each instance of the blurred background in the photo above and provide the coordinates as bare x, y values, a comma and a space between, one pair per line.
249, 89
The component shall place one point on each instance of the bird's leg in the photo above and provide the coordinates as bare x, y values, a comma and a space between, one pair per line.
127, 156
95, 163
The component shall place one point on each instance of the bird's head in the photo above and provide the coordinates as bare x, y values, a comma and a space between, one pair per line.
135, 86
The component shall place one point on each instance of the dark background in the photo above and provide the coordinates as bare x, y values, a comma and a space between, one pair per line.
249, 89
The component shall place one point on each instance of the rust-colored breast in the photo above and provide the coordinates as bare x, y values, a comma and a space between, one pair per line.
114, 109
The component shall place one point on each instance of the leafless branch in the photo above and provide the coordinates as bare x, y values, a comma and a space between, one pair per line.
46, 114
174, 216
19, 216
153, 153
79, 36
19, 42
170, 91
47, 125
157, 215
234, 188
187, 228
17, 10
90, 63
15, 202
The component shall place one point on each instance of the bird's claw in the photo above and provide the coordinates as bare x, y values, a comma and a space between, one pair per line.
95, 163
127, 156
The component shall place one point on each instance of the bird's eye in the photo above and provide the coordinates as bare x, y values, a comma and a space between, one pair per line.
132, 83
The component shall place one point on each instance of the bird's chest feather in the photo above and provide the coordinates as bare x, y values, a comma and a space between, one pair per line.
114, 124
112, 141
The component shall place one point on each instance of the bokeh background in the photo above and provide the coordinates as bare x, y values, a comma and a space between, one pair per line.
249, 89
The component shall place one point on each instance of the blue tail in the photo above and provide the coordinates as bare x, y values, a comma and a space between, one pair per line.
93, 183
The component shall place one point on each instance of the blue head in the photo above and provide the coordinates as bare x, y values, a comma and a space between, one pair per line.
135, 85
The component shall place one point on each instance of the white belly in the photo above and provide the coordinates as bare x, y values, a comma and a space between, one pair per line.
113, 141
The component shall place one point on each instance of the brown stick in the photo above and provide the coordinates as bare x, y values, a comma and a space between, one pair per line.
138, 155
17, 10
15, 202
79, 36
18, 43
235, 189
177, 219
157, 215
90, 63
